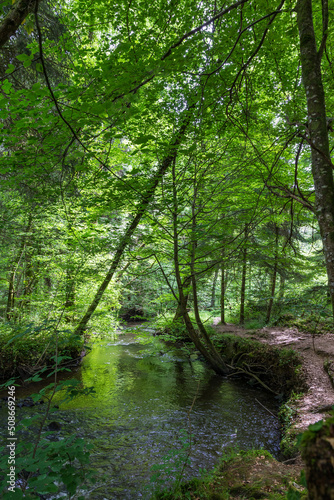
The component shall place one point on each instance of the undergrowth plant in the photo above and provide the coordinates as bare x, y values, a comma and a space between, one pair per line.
171, 469
44, 465
172, 465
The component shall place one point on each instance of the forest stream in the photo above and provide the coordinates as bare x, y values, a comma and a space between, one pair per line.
142, 403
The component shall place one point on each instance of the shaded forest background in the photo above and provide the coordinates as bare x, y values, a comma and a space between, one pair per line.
166, 158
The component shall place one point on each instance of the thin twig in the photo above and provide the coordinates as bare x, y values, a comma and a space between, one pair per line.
265, 407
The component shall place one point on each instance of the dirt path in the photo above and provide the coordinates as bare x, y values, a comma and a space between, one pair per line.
319, 398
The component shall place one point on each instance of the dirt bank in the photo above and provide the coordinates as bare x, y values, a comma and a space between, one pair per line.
315, 352
254, 474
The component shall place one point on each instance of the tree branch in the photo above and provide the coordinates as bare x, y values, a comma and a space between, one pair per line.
196, 30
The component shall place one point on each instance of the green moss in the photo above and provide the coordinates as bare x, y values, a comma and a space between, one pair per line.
287, 415
320, 428
314, 322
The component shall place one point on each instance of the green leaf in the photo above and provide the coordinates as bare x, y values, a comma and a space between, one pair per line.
22, 57
10, 69
317, 426
143, 139
7, 86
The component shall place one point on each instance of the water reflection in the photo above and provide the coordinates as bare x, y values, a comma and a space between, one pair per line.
142, 402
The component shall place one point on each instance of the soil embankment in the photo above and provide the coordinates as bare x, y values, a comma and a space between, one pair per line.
316, 352
255, 474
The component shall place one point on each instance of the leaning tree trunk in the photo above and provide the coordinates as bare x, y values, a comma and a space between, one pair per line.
126, 238
178, 313
204, 334
208, 351
322, 167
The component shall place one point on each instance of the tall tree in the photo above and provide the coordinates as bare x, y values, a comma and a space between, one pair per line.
317, 127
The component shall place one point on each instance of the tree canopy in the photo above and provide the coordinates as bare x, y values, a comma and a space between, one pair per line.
159, 156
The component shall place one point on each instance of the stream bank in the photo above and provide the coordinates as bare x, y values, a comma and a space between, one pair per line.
310, 390
298, 366
150, 407
303, 372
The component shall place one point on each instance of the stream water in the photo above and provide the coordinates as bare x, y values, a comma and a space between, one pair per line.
142, 401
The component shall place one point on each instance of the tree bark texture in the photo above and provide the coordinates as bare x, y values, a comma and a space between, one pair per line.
273, 279
178, 313
318, 456
15, 18
318, 134
243, 279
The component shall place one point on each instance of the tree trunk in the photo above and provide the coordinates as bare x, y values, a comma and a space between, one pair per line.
317, 130
213, 293
209, 344
15, 18
208, 351
222, 291
318, 455
178, 313
69, 295
273, 279
126, 238
243, 279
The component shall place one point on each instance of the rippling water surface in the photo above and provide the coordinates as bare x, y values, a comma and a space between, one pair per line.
142, 402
